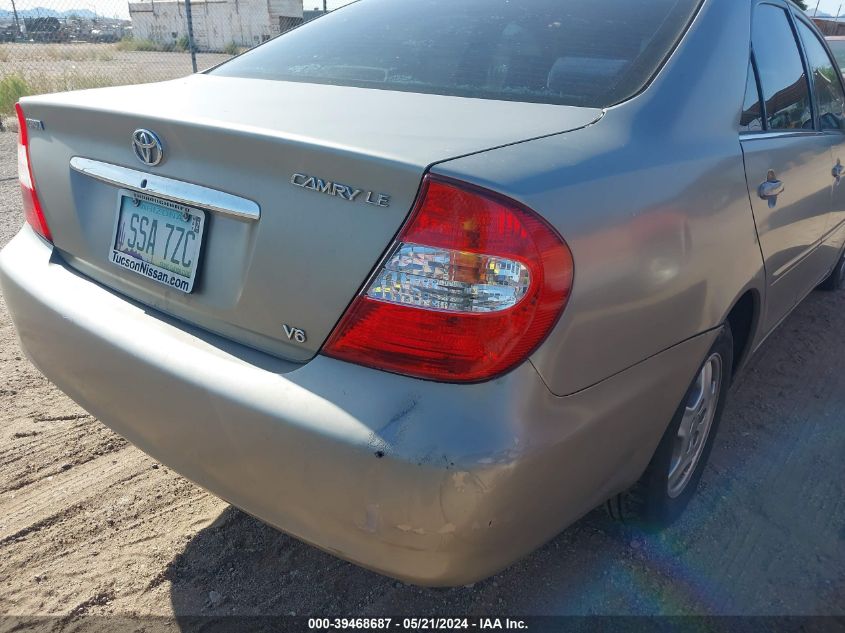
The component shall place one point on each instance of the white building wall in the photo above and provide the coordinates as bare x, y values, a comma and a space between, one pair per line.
156, 22
216, 22
282, 11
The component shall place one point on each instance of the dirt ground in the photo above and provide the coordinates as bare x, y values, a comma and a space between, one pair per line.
38, 61
90, 525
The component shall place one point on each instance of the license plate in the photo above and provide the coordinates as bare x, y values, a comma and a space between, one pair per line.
158, 239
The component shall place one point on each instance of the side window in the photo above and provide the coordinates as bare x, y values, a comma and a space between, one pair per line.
830, 100
786, 91
752, 114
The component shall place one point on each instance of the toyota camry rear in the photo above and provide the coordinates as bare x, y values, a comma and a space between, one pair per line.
418, 282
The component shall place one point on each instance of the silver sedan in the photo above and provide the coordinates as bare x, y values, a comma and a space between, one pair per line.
423, 282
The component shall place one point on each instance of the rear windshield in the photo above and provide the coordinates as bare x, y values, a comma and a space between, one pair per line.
574, 52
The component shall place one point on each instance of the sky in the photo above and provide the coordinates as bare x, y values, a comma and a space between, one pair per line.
828, 6
118, 8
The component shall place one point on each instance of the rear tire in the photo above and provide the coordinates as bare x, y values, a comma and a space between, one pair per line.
836, 280
671, 479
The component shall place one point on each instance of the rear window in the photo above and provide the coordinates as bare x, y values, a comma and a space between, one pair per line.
569, 52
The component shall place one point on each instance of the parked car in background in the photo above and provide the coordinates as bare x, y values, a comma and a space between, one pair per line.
8, 33
423, 282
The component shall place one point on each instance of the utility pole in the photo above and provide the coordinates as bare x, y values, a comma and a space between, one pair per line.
817, 8
17, 21
325, 8
191, 46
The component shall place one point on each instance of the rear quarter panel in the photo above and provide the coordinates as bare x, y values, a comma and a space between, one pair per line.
653, 202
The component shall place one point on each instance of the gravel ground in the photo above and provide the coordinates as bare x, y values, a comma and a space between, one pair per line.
103, 62
90, 525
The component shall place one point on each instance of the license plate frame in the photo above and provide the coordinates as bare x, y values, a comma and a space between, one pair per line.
172, 276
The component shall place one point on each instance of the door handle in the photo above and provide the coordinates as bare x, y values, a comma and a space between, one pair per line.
771, 189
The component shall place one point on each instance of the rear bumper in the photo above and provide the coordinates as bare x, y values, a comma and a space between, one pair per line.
431, 483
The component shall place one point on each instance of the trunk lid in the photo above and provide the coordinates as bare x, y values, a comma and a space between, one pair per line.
300, 264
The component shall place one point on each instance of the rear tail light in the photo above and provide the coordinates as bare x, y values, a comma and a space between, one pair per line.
474, 283
31, 206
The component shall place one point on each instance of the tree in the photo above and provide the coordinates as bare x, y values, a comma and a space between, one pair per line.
801, 3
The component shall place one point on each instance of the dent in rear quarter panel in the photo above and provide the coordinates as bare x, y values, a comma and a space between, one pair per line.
653, 202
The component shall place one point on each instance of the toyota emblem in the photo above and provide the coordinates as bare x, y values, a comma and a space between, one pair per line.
147, 147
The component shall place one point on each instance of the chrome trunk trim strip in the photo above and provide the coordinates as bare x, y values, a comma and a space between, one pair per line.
175, 190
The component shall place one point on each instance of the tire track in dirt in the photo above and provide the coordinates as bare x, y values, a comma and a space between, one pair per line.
44, 502
45, 450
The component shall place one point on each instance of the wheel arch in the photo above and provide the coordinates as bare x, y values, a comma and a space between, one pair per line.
744, 317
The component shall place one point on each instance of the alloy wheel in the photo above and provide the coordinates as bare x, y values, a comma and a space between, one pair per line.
695, 426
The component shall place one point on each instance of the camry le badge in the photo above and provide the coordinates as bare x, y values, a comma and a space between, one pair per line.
147, 147
339, 190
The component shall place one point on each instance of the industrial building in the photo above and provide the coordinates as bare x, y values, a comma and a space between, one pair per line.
216, 23
830, 26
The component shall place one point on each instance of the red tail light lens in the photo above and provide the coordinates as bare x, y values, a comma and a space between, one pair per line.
474, 284
31, 206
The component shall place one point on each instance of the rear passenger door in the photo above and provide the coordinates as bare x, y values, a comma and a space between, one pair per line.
830, 100
787, 160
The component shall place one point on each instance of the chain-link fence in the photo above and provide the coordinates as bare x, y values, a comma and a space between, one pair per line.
63, 45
